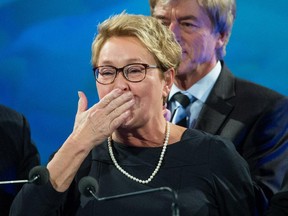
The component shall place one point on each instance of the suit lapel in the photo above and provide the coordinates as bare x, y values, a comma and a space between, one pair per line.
218, 105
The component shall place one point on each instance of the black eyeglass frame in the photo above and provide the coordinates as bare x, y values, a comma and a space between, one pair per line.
122, 69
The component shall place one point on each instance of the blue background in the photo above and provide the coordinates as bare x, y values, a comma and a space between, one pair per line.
45, 48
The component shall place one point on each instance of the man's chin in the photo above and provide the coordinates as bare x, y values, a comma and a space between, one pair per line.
185, 69
181, 74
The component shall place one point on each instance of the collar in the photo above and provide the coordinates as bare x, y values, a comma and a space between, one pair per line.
203, 87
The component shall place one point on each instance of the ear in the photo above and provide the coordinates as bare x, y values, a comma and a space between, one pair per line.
222, 38
168, 81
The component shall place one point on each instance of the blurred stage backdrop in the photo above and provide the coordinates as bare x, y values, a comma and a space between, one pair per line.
45, 56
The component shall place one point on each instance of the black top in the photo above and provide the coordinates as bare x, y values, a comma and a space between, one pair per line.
17, 154
206, 171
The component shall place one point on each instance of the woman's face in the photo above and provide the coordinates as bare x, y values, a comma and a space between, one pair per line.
148, 94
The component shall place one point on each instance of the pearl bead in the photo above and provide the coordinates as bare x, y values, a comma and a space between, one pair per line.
166, 140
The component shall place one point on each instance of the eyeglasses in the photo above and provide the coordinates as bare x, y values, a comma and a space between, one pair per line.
135, 72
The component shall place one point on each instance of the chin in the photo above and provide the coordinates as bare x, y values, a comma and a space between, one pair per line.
124, 125
181, 73
127, 123
186, 68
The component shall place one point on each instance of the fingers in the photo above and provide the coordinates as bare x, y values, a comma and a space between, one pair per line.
98, 122
114, 98
114, 102
110, 112
82, 102
120, 104
120, 114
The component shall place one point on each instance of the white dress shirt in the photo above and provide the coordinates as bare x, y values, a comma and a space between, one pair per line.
200, 90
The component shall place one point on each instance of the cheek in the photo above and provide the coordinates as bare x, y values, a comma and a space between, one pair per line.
102, 90
151, 92
196, 45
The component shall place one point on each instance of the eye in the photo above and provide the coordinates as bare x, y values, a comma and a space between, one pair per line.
134, 69
106, 71
188, 24
163, 20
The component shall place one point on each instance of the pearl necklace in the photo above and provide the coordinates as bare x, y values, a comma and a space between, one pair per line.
166, 140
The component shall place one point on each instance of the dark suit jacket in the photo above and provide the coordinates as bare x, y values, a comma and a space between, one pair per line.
255, 118
17, 154
279, 202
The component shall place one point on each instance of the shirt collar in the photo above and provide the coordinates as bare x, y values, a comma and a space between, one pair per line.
203, 87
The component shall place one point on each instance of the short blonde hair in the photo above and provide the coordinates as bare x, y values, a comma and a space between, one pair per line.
222, 14
158, 39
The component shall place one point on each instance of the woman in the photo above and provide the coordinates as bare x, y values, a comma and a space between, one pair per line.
126, 144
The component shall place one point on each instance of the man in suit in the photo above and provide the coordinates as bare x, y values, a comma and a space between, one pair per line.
18, 155
212, 99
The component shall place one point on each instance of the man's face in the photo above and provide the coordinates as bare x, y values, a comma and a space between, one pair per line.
193, 30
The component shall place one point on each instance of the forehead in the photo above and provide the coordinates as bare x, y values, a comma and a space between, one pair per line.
124, 49
178, 8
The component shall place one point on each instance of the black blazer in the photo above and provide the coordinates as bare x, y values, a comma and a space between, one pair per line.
279, 202
17, 154
255, 119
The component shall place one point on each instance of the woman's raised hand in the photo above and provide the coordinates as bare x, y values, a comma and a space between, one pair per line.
94, 125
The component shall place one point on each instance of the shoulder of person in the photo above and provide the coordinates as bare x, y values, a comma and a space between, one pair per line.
250, 89
253, 95
256, 90
9, 113
219, 150
207, 138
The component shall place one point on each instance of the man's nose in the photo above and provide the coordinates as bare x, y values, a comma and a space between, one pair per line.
175, 28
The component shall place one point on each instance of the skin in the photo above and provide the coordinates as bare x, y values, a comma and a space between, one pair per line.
147, 94
193, 30
130, 112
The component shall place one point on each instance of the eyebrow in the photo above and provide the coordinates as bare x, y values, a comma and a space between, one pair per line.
159, 16
128, 61
188, 17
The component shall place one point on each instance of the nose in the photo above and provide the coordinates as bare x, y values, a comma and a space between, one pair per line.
121, 82
175, 28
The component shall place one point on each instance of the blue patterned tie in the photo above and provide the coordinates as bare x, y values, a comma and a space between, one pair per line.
179, 115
